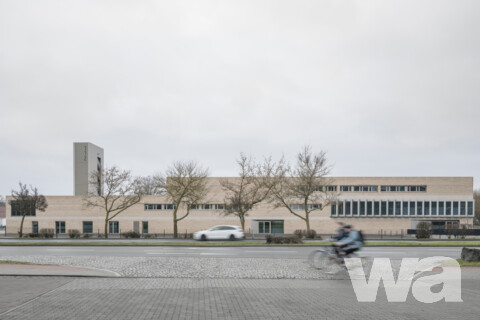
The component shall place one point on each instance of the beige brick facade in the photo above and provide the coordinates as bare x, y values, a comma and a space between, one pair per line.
71, 209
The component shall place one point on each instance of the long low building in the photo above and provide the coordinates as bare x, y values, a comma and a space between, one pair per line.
372, 204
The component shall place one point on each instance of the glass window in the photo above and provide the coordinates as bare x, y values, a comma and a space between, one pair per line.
398, 208
113, 227
383, 188
369, 208
144, 226
422, 188
362, 208
455, 208
419, 208
333, 210
34, 226
340, 208
426, 208
60, 226
18, 207
390, 208
405, 208
441, 208
401, 188
277, 226
87, 226
348, 208
470, 208
448, 206
384, 208
462, 208
412, 208
355, 208
434, 208
376, 208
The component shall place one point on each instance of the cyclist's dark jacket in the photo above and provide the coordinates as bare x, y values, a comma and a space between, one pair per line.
353, 240
341, 233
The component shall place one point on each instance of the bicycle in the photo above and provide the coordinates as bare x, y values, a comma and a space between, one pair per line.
328, 260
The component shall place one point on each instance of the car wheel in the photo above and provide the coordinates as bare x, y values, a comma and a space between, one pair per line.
203, 237
232, 237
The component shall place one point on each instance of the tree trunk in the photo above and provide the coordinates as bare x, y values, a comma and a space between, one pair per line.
21, 227
242, 222
307, 221
106, 228
175, 228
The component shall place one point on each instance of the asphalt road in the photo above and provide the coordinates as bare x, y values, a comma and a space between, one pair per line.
225, 252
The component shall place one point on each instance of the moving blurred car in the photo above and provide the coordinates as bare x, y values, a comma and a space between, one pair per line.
219, 232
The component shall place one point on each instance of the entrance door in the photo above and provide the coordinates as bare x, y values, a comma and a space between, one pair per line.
136, 226
264, 226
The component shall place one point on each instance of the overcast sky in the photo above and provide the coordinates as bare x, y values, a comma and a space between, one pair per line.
386, 88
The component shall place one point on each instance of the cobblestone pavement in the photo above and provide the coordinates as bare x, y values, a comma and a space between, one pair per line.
184, 267
127, 298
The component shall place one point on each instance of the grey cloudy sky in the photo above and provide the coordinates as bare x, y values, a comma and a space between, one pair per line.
387, 88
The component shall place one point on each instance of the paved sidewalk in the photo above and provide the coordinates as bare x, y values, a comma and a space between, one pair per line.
202, 299
11, 269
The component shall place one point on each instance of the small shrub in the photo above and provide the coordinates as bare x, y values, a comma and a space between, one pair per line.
310, 234
73, 233
33, 235
273, 239
299, 233
100, 236
424, 230
46, 233
131, 234
305, 234
147, 235
86, 236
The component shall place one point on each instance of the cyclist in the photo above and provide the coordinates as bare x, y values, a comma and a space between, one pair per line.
340, 231
351, 242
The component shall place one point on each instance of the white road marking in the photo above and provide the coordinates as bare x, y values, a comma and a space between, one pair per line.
164, 252
217, 253
76, 250
268, 251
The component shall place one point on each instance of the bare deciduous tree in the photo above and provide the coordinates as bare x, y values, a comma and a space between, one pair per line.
153, 185
303, 187
2, 201
186, 185
252, 186
25, 201
120, 192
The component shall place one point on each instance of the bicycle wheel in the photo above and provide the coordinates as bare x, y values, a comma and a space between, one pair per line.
320, 259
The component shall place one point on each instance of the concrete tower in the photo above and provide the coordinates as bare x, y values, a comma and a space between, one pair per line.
87, 158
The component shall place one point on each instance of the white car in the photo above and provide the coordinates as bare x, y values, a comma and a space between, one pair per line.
220, 232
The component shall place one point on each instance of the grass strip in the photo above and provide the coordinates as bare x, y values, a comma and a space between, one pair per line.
462, 263
13, 262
